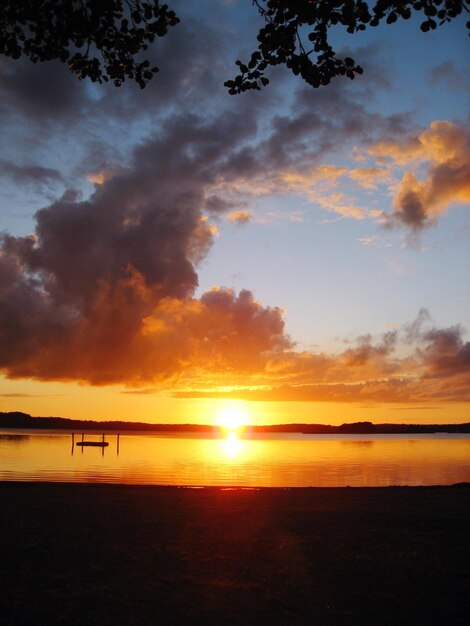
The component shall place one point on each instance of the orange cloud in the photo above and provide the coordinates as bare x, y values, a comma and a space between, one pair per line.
319, 184
401, 152
239, 217
369, 177
435, 367
103, 292
99, 322
374, 392
445, 147
97, 178
126, 338
340, 204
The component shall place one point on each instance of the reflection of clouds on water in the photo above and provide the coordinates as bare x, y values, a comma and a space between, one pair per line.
363, 443
14, 438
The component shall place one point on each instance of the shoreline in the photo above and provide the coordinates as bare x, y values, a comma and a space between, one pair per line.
19, 420
75, 553
145, 486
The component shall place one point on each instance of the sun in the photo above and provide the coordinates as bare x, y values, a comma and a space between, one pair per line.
232, 417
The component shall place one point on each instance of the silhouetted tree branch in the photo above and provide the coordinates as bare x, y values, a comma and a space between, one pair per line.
281, 40
102, 39
97, 39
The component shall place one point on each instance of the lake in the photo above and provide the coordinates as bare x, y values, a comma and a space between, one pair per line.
287, 460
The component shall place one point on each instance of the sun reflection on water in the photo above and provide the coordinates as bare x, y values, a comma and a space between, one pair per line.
238, 458
232, 446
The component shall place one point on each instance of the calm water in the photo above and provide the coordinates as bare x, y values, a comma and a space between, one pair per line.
280, 461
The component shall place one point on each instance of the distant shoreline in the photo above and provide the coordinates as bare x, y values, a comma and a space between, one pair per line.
19, 420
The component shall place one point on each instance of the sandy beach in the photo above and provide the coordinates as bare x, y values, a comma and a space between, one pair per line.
97, 554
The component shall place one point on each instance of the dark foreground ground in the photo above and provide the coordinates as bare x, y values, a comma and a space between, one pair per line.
95, 554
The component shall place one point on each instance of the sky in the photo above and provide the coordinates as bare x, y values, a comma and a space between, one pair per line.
297, 254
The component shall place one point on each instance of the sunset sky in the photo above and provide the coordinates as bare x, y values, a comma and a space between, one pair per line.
301, 253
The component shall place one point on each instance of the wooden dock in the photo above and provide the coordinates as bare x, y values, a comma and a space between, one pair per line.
96, 444
93, 443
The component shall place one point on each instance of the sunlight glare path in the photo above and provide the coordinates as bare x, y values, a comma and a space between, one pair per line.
232, 445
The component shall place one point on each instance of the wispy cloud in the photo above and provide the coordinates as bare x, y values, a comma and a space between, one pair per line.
29, 173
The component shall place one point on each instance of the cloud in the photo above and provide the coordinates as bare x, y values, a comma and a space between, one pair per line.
445, 352
445, 148
150, 391
42, 92
340, 204
414, 330
28, 173
291, 156
239, 217
51, 119
375, 242
365, 350
103, 291
435, 367
284, 154
373, 391
369, 177
448, 75
48, 93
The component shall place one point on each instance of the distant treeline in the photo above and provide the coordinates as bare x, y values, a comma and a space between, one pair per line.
364, 428
23, 420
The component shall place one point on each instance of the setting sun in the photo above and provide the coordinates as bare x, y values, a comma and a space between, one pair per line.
232, 417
